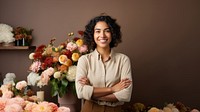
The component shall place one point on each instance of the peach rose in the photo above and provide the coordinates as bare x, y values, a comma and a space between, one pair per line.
62, 68
68, 63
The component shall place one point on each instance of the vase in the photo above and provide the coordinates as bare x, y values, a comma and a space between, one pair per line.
40, 95
23, 42
71, 101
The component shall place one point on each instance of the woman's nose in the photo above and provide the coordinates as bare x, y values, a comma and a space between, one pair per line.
102, 34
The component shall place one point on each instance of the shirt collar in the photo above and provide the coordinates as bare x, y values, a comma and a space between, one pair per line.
98, 56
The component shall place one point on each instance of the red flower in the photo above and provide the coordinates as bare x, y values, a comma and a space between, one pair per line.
80, 32
37, 55
40, 48
48, 61
76, 38
68, 53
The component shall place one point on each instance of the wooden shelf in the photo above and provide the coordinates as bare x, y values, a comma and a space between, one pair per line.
16, 47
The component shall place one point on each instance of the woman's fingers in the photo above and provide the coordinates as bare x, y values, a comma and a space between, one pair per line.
84, 81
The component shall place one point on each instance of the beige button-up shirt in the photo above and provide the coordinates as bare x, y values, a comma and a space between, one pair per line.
104, 74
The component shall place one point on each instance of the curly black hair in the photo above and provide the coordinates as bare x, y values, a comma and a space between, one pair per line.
114, 28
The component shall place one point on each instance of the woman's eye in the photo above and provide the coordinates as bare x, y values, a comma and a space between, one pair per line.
107, 30
97, 31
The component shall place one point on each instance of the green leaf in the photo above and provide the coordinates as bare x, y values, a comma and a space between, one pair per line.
54, 87
63, 87
64, 82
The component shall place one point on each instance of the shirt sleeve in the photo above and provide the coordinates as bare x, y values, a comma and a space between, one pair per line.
83, 92
125, 94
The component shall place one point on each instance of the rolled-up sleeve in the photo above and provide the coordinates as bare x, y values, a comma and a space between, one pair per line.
83, 92
125, 94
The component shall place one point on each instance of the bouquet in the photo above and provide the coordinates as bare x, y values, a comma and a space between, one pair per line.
12, 88
21, 32
57, 65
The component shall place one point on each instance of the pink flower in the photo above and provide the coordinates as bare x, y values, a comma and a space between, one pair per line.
71, 46
63, 109
13, 108
83, 49
2, 103
35, 67
45, 76
30, 106
194, 110
17, 100
49, 71
7, 94
44, 79
53, 106
42, 107
20, 85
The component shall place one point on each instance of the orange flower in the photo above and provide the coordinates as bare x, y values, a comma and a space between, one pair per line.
63, 68
68, 62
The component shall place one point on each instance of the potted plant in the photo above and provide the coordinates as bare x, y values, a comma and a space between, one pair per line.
23, 36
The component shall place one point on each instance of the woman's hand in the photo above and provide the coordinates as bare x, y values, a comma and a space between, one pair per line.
84, 81
124, 83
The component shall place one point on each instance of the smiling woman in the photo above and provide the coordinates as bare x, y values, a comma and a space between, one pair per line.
103, 77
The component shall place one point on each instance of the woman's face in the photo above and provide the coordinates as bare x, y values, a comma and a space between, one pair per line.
102, 35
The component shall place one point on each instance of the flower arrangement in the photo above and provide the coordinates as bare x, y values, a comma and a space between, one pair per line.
168, 107
6, 35
12, 88
23, 34
13, 98
57, 65
18, 104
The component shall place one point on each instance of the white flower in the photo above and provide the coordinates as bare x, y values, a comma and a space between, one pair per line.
33, 78
5, 28
20, 85
10, 75
31, 56
71, 73
9, 79
57, 75
6, 34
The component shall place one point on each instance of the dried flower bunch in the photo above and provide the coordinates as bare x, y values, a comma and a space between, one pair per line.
21, 32
57, 65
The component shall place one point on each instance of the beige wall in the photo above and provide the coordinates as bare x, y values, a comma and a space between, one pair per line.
160, 36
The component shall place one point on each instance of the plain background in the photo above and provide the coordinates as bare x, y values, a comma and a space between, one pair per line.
161, 37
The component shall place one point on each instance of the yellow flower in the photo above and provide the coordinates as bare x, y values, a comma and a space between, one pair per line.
75, 56
62, 59
79, 42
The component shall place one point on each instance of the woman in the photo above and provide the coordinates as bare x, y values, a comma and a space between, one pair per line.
103, 77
